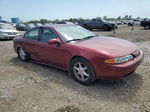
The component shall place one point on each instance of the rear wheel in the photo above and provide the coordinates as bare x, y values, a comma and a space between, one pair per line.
23, 56
129, 24
82, 71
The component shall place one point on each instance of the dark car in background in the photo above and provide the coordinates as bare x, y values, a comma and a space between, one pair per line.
65, 22
21, 27
98, 24
146, 24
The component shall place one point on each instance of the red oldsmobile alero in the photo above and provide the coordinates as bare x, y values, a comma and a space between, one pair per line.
85, 55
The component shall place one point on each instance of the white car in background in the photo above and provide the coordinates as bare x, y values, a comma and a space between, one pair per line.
7, 31
135, 22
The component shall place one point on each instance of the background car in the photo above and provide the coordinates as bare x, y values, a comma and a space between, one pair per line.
46, 24
38, 24
7, 31
65, 22
85, 55
98, 24
134, 21
29, 26
118, 22
21, 27
146, 24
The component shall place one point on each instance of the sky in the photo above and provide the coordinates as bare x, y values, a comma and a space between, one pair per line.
28, 10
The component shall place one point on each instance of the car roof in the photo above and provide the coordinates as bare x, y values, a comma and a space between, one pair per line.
58, 25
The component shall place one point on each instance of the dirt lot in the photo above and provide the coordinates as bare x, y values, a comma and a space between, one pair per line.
29, 87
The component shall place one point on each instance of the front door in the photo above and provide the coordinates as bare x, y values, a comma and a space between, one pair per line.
53, 54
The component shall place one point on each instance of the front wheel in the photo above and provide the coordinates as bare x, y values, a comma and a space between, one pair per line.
147, 27
82, 71
23, 56
106, 28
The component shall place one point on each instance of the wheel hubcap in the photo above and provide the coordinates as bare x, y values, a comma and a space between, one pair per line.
81, 71
22, 54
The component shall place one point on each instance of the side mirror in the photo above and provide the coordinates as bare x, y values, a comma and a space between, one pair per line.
53, 41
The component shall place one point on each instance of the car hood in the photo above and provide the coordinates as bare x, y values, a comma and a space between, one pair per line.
109, 46
8, 30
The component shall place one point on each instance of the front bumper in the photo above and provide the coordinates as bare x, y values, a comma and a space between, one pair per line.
118, 71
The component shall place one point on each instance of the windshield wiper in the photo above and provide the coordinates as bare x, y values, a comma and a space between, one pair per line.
82, 38
73, 40
88, 37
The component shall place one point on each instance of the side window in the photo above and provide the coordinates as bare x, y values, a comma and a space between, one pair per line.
32, 34
47, 35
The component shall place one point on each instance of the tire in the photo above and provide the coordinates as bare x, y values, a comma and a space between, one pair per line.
129, 24
146, 27
23, 56
106, 28
82, 71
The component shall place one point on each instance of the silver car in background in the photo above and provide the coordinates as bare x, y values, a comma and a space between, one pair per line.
7, 31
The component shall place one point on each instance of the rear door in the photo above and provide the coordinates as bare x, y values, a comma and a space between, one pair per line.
31, 41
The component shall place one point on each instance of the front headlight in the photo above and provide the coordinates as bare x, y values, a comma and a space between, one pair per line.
119, 59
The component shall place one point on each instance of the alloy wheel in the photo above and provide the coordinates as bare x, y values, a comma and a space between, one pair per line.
81, 71
22, 54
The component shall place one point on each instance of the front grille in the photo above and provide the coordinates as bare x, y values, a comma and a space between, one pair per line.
12, 33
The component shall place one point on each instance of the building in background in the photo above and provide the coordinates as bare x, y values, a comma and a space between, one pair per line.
15, 20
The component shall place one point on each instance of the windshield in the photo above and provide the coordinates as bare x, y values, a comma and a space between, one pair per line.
73, 32
6, 26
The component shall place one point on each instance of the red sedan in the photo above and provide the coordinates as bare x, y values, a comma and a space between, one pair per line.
85, 55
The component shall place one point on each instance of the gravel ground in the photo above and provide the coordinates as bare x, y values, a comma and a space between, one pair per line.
30, 87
